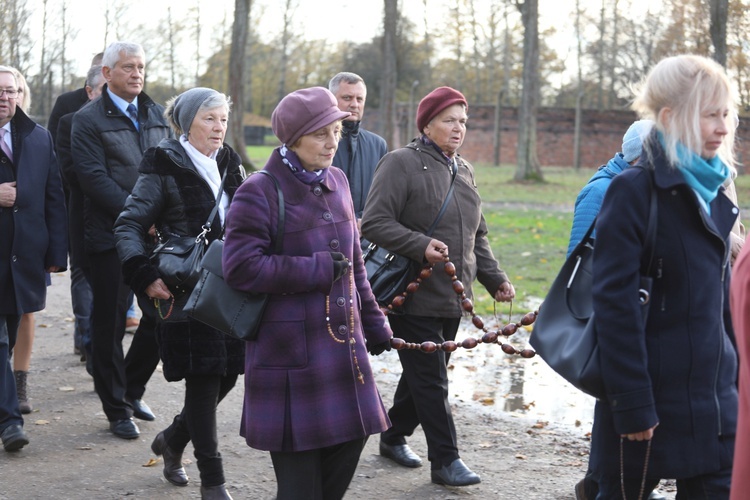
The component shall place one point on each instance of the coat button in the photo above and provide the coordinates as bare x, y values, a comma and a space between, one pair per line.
327, 216
334, 244
343, 330
15, 209
14, 258
340, 301
317, 191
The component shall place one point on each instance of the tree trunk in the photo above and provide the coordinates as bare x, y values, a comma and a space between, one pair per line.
719, 14
237, 78
390, 75
528, 162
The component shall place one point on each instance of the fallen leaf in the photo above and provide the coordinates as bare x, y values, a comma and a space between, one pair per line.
66, 388
84, 448
151, 462
521, 457
41, 422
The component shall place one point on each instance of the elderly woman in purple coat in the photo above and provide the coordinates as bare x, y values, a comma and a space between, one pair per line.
310, 394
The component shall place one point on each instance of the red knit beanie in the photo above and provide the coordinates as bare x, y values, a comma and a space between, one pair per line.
436, 101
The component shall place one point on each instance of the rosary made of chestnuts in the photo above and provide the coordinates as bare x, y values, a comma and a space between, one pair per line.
489, 337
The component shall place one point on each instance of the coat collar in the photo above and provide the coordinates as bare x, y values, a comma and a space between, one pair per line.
295, 191
666, 177
111, 109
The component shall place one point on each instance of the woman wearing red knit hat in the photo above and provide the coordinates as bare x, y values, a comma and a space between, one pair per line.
407, 193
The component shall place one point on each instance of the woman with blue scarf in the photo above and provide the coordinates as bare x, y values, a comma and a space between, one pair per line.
671, 378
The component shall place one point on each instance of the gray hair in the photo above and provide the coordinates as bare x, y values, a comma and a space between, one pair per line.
95, 76
112, 53
181, 109
12, 71
346, 77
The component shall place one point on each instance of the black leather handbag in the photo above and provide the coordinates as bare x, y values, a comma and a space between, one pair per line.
178, 258
564, 335
213, 302
389, 273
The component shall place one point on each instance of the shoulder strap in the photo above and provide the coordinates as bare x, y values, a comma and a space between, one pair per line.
650, 248
210, 221
445, 202
280, 225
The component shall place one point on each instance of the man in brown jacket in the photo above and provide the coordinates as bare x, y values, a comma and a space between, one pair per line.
407, 192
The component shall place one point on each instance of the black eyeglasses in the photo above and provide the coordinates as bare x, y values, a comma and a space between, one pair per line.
9, 93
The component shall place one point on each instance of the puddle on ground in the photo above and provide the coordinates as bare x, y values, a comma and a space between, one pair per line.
500, 384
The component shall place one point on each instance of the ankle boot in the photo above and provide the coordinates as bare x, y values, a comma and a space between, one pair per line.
23, 400
174, 472
215, 492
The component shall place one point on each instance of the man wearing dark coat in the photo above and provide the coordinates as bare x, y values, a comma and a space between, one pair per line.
33, 237
108, 138
359, 150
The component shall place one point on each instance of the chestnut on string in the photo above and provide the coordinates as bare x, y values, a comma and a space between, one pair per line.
489, 337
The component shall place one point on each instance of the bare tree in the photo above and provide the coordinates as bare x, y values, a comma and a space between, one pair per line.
528, 163
286, 35
390, 73
719, 14
579, 97
237, 77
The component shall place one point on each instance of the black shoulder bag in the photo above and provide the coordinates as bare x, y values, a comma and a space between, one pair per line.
563, 333
178, 258
389, 273
213, 302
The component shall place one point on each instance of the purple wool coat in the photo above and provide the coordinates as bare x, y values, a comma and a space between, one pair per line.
301, 386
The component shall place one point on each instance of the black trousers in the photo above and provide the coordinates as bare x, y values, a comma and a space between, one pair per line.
117, 378
422, 394
197, 423
322, 474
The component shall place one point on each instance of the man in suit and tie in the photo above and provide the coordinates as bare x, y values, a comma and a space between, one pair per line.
108, 138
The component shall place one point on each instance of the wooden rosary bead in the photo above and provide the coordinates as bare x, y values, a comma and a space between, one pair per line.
449, 346
469, 343
477, 321
412, 287
426, 272
489, 337
508, 349
529, 318
428, 346
528, 353
450, 268
458, 287
467, 305
509, 329
397, 343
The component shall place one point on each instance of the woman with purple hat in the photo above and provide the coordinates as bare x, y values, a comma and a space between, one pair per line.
310, 394
408, 190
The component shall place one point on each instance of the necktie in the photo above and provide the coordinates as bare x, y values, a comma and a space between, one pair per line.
133, 114
4, 145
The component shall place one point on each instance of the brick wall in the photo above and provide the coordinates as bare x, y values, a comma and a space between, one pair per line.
601, 135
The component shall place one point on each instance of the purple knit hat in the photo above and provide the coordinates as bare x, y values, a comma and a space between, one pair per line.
433, 103
304, 111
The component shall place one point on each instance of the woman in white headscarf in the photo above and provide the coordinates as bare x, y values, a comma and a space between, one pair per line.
176, 191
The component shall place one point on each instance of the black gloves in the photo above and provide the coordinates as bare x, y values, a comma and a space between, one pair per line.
340, 265
378, 349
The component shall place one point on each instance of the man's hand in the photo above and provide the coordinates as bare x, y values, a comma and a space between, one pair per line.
505, 292
436, 252
7, 194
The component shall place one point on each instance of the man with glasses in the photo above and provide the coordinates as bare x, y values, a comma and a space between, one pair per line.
33, 237
108, 138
